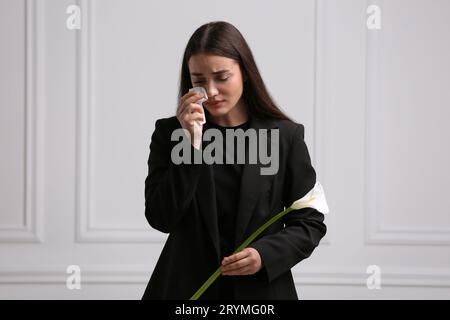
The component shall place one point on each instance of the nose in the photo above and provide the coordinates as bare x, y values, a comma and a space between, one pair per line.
211, 90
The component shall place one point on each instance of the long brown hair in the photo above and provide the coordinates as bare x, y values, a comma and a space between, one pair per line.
223, 39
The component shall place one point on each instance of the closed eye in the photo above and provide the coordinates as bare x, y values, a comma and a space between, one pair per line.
220, 79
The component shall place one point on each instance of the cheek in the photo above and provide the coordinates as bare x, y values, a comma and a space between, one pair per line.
232, 90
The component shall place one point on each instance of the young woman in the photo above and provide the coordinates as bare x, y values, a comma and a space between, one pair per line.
210, 209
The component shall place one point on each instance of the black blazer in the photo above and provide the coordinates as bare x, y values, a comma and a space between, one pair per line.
180, 200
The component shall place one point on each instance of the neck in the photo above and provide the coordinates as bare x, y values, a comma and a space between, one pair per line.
235, 117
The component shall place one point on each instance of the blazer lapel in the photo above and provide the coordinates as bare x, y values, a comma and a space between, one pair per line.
252, 183
206, 195
251, 187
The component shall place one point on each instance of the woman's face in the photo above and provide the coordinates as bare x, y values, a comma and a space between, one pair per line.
223, 81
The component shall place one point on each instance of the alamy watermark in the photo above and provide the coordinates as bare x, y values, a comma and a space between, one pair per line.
73, 281
257, 148
373, 281
373, 21
73, 22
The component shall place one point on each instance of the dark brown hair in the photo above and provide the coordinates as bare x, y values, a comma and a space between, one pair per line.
223, 39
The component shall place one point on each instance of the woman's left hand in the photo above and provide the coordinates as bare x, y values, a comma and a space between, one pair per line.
245, 262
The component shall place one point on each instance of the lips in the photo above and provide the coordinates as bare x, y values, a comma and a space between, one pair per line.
214, 103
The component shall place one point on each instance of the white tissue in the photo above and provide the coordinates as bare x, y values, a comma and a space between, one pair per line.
202, 91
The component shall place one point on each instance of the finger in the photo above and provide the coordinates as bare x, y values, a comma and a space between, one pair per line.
192, 97
188, 95
195, 117
188, 98
189, 118
246, 270
191, 108
194, 107
235, 257
237, 265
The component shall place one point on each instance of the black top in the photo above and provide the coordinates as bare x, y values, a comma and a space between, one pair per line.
227, 179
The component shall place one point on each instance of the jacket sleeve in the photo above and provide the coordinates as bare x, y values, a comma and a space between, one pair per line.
169, 187
303, 228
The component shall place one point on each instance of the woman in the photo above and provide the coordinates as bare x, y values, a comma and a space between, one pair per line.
210, 209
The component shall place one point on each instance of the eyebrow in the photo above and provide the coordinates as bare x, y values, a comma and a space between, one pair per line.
217, 72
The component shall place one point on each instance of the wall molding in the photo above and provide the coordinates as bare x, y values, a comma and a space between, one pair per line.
139, 274
86, 230
377, 232
31, 229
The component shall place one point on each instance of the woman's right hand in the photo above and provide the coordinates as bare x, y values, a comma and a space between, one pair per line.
191, 116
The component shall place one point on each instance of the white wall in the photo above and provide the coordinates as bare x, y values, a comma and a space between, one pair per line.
78, 107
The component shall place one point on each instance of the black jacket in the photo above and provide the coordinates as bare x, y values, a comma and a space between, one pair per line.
180, 200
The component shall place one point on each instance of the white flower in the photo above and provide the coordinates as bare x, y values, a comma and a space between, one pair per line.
315, 198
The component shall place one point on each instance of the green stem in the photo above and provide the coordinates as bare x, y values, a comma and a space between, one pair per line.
217, 273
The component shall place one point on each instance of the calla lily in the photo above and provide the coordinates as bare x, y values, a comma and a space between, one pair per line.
315, 198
